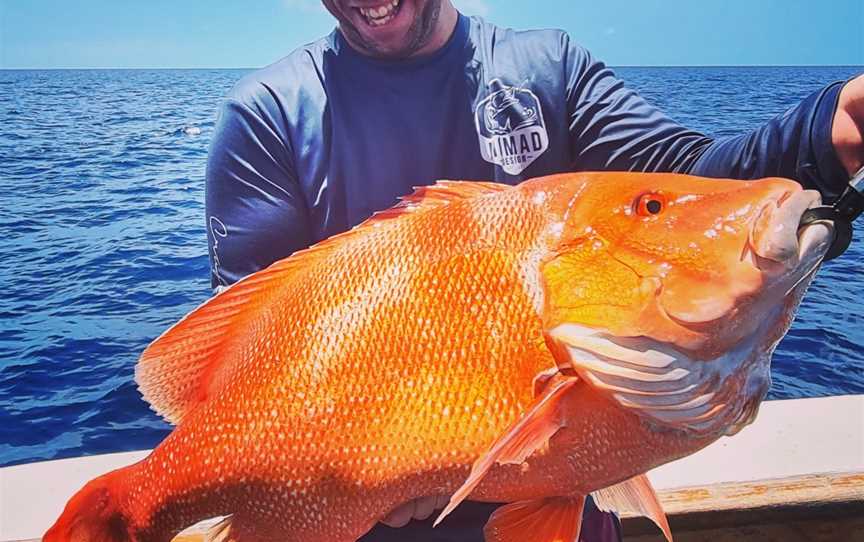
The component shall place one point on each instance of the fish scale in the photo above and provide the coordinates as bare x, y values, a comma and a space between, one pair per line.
380, 437
388, 363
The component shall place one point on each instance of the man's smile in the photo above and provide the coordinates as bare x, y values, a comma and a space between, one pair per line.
380, 15
394, 29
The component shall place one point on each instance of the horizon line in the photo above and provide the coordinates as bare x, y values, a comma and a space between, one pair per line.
144, 68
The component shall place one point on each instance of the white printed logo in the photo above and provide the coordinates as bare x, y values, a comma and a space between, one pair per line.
217, 230
511, 128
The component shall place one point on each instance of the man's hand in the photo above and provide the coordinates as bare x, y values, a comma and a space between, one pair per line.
847, 133
420, 508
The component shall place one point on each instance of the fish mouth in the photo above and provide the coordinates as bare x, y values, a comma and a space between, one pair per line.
777, 242
776, 254
786, 253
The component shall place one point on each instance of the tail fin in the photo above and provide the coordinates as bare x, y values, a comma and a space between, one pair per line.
93, 514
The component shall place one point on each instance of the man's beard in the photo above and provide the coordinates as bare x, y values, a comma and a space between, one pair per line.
419, 33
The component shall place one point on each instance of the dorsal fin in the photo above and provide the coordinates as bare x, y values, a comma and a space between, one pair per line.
435, 195
185, 365
188, 363
445, 191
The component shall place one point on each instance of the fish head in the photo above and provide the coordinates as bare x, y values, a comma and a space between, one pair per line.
666, 288
91, 515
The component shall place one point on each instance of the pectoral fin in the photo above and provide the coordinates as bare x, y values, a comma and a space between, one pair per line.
636, 496
224, 531
556, 519
526, 436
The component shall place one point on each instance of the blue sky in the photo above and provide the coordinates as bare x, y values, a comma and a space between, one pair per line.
198, 33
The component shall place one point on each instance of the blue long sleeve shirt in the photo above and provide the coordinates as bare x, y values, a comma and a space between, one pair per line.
315, 143
312, 145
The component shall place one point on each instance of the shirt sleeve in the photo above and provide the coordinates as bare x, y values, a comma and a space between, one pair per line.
613, 128
796, 145
254, 208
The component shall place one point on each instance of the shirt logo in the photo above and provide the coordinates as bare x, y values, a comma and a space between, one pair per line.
510, 126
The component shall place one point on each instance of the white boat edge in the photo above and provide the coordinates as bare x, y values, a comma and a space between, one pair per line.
790, 439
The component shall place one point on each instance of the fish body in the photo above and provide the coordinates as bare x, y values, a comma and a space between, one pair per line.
528, 344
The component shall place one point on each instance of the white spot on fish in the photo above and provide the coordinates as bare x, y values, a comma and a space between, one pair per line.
539, 198
556, 229
531, 282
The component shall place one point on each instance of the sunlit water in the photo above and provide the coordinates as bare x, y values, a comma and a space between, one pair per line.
102, 242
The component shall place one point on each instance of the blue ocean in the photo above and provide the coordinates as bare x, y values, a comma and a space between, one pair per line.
102, 240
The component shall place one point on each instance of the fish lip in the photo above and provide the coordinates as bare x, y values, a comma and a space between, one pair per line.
777, 284
814, 241
773, 241
694, 325
809, 244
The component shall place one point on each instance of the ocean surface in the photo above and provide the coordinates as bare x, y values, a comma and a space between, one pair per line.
102, 240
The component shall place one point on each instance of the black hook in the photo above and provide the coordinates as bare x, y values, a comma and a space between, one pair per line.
848, 207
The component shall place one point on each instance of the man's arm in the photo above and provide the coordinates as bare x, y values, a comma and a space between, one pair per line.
848, 130
254, 208
796, 144
613, 128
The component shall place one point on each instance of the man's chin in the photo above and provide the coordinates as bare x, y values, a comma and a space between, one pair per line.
393, 44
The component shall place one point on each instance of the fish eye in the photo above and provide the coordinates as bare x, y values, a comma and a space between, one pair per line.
651, 203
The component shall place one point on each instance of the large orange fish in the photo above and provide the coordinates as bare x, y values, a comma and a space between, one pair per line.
528, 344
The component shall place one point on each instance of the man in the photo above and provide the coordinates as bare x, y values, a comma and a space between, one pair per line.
405, 92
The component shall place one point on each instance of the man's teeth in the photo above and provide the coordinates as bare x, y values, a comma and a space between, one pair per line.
381, 14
